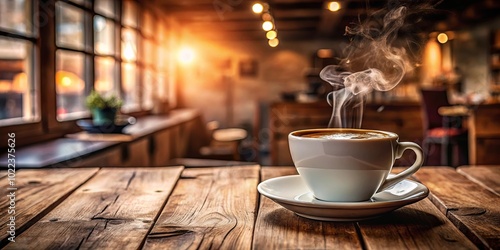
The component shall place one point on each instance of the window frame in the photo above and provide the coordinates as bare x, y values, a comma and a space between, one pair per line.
47, 126
36, 127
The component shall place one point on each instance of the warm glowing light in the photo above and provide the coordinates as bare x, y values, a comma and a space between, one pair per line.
20, 82
129, 52
442, 38
274, 42
186, 55
267, 17
333, 6
66, 81
325, 53
257, 8
431, 60
102, 86
271, 34
267, 25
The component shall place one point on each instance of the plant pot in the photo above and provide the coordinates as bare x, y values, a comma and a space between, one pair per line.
103, 116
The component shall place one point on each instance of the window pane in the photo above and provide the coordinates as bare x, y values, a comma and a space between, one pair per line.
85, 3
147, 89
129, 17
130, 87
105, 7
18, 96
160, 33
161, 62
148, 52
162, 88
69, 26
147, 25
105, 76
16, 16
104, 35
70, 84
129, 45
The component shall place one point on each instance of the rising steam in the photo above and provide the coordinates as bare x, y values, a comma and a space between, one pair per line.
372, 63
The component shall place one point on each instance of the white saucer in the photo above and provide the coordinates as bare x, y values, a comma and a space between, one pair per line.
292, 193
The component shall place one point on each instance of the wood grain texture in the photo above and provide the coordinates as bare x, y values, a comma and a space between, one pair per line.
484, 134
38, 191
210, 208
486, 176
113, 210
472, 208
416, 226
279, 228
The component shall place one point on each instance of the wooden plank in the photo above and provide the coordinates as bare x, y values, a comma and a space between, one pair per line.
472, 208
113, 210
38, 191
486, 176
419, 225
210, 208
416, 226
279, 228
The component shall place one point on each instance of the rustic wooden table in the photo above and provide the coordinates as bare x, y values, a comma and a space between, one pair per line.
220, 208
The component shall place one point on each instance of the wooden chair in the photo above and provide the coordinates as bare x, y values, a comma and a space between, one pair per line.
219, 144
447, 132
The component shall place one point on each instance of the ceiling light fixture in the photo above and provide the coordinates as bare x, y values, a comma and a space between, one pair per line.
257, 8
274, 42
271, 34
333, 6
442, 38
267, 25
267, 17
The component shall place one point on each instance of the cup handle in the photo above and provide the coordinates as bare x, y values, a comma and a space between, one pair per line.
402, 146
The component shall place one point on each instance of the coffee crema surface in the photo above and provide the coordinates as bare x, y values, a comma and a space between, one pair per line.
347, 135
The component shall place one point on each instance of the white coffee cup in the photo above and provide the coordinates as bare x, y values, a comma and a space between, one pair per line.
349, 165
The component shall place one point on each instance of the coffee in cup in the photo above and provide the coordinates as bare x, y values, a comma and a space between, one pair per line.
349, 165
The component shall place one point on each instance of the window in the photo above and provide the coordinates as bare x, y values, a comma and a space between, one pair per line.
77, 56
16, 16
104, 36
105, 76
105, 7
70, 26
105, 71
129, 17
18, 84
70, 83
130, 82
93, 46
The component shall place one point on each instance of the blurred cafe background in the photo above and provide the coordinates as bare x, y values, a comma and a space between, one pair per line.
229, 79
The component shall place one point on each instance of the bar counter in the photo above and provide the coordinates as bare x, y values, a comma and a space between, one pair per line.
220, 208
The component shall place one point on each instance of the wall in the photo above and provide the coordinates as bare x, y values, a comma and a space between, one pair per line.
213, 82
471, 55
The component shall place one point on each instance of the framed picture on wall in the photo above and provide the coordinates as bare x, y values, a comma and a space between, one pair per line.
248, 68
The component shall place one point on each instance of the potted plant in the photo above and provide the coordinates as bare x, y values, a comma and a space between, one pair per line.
103, 109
